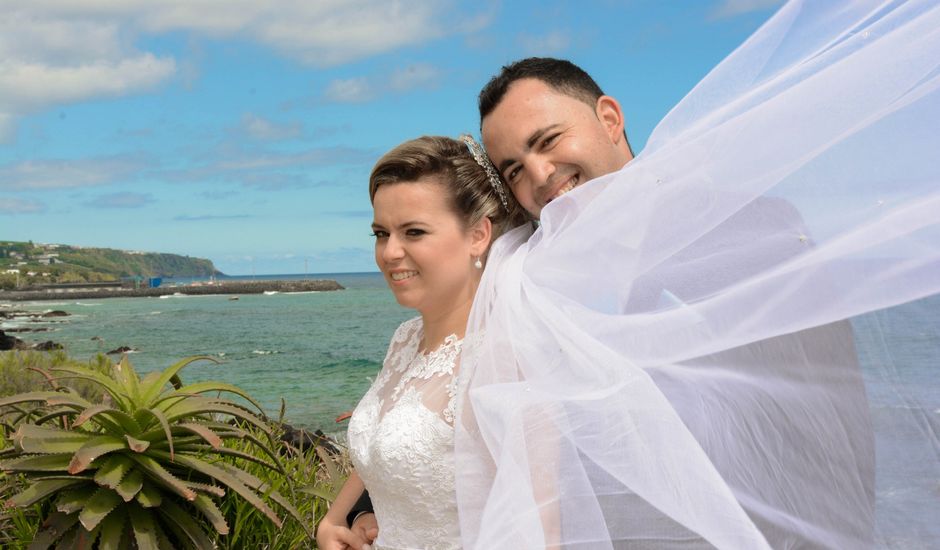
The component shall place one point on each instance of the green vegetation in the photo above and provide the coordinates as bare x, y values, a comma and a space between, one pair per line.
149, 464
57, 263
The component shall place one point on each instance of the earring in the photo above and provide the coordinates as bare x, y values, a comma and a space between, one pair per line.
478, 264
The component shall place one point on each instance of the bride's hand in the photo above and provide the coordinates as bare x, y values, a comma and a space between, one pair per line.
331, 536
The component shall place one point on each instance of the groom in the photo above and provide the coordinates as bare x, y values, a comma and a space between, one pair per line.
548, 128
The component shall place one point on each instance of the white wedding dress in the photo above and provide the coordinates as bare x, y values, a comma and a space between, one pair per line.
401, 441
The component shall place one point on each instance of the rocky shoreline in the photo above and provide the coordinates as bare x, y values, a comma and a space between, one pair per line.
217, 287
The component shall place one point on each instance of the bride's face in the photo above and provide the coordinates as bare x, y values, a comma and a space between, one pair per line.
422, 246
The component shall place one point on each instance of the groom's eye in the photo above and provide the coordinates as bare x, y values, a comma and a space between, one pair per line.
512, 173
548, 140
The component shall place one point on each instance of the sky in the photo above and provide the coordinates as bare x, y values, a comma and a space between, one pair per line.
244, 131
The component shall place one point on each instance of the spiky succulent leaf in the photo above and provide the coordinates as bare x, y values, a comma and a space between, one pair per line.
37, 463
136, 445
113, 470
126, 376
158, 415
149, 496
30, 438
213, 490
27, 397
95, 447
98, 507
201, 406
40, 490
213, 386
113, 419
111, 529
130, 485
53, 529
158, 473
203, 431
207, 507
154, 387
145, 529
184, 526
118, 394
233, 481
72, 500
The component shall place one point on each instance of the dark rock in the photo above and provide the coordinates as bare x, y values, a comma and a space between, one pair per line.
122, 349
97, 339
11, 342
56, 313
305, 440
48, 345
38, 329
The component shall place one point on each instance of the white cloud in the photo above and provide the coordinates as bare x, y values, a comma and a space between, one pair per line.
60, 51
265, 130
62, 174
20, 206
28, 86
545, 44
351, 90
363, 89
731, 8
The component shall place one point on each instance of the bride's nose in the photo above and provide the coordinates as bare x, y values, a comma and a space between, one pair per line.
393, 250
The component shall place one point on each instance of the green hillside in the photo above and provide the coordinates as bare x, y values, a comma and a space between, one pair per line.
59, 263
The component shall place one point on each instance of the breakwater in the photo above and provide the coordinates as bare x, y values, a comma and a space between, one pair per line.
201, 289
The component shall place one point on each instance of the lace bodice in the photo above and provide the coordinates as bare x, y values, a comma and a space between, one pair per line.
401, 441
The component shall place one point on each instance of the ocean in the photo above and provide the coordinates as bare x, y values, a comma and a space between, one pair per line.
319, 351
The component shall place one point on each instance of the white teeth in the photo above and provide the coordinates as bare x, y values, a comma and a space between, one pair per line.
402, 275
565, 188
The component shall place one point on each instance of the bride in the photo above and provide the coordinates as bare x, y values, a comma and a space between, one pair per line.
436, 211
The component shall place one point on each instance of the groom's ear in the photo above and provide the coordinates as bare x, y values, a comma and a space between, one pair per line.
481, 234
610, 115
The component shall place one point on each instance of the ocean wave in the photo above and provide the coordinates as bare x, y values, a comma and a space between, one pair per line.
86, 305
265, 352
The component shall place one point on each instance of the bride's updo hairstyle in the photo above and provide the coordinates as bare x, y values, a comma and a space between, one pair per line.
473, 195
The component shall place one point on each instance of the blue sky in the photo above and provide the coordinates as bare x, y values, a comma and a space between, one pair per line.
244, 131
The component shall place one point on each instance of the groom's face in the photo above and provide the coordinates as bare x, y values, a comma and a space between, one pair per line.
545, 143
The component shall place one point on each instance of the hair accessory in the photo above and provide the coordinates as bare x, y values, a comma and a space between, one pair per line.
478, 264
479, 155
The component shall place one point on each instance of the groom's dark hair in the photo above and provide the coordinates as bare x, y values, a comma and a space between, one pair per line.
562, 75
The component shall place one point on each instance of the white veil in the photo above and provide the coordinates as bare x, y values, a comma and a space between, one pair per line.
665, 361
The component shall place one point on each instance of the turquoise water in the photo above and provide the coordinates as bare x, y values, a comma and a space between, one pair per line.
316, 350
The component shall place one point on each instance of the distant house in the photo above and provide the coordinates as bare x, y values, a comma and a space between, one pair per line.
12, 272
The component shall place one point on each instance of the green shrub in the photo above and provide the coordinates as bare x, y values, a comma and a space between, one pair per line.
146, 467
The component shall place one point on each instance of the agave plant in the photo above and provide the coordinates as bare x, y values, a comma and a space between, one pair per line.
144, 467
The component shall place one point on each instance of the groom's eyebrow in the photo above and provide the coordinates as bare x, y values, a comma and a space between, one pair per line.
534, 137
537, 135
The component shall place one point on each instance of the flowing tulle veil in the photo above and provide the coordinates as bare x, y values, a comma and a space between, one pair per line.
665, 361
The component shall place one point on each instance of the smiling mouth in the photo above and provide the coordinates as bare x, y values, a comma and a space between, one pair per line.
402, 275
568, 186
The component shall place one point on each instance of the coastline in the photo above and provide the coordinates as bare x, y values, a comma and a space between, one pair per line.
198, 289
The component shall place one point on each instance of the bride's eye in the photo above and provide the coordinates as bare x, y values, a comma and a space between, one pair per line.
415, 232
379, 234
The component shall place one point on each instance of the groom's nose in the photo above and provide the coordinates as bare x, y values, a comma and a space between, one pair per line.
541, 169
